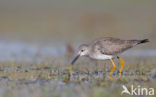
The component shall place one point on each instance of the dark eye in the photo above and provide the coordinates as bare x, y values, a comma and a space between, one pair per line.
82, 50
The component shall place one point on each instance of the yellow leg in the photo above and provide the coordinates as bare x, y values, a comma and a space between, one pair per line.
114, 67
122, 65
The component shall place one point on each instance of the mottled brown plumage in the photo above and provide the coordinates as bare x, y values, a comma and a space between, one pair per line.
111, 46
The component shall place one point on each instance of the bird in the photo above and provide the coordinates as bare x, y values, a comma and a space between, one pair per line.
107, 48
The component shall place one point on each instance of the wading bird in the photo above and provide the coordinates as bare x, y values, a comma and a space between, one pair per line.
107, 48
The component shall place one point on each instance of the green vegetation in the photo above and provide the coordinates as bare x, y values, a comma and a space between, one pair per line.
61, 80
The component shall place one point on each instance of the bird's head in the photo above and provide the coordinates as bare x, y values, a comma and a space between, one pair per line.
82, 51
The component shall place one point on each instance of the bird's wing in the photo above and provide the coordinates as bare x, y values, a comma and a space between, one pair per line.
112, 46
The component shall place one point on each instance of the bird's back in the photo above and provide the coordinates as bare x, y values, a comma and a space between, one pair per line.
111, 46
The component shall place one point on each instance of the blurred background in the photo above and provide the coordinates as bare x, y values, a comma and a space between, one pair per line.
52, 27
39, 38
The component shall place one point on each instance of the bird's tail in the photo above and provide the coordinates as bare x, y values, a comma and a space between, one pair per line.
143, 41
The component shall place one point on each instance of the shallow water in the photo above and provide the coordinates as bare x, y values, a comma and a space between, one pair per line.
29, 52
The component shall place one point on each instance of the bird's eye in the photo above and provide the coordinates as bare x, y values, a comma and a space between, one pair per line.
82, 50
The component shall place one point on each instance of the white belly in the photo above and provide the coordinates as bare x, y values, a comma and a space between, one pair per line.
102, 57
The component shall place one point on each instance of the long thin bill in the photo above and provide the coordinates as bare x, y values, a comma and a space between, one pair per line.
75, 59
